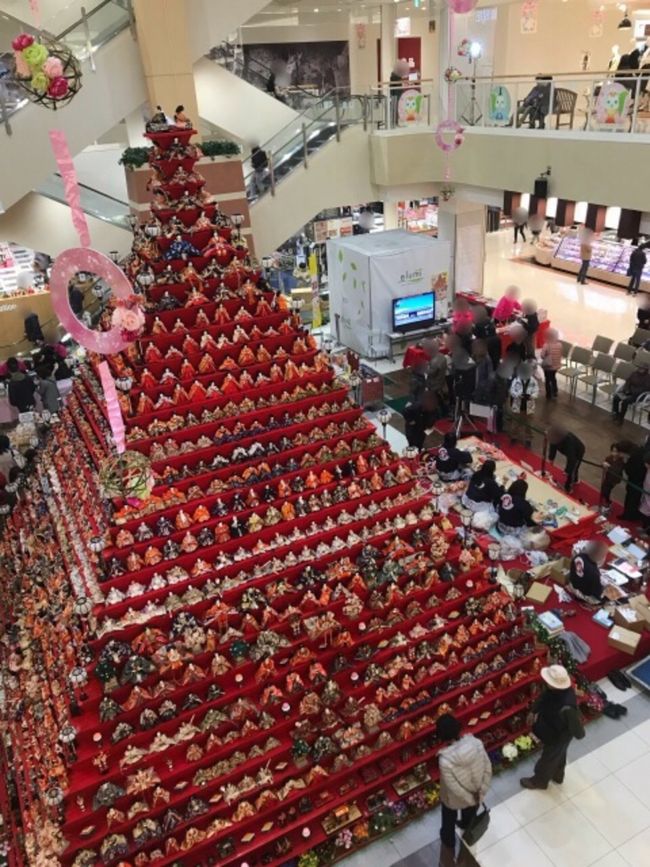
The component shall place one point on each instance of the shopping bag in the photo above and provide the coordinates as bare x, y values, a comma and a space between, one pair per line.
477, 827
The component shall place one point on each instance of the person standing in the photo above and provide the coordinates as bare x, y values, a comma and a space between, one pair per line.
551, 356
635, 472
573, 449
21, 387
519, 225
613, 468
465, 776
260, 163
48, 390
638, 261
557, 723
586, 250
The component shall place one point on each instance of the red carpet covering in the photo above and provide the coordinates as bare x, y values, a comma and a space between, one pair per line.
250, 660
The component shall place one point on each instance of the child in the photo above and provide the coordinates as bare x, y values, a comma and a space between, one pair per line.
613, 470
551, 356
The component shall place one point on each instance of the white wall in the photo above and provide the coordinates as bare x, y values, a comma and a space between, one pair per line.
210, 22
97, 167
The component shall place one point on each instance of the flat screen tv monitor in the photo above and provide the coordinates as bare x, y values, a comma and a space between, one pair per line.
414, 312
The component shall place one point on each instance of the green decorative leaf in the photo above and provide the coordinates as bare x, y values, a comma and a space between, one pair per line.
340, 255
353, 266
345, 275
354, 283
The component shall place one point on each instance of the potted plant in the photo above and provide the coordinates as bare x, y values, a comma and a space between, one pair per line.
134, 158
219, 148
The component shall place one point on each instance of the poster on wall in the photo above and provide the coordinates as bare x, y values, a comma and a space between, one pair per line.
500, 105
318, 66
596, 27
409, 107
612, 106
529, 17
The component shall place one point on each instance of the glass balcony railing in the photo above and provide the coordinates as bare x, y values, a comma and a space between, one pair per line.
93, 202
84, 36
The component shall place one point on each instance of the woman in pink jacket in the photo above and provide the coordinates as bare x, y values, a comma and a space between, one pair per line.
508, 306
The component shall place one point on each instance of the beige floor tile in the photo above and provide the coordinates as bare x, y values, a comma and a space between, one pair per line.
528, 805
643, 731
614, 810
612, 859
567, 838
636, 851
582, 773
621, 751
558, 292
635, 776
515, 850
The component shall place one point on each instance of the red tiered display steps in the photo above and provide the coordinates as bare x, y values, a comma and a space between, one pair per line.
276, 629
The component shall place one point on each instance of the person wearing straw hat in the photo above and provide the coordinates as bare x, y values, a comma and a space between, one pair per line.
557, 723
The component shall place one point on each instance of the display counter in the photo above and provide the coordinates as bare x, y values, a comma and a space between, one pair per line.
609, 261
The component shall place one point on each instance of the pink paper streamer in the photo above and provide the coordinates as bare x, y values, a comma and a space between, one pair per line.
66, 266
70, 185
35, 7
112, 406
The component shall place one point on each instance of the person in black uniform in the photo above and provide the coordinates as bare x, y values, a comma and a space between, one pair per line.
451, 461
515, 512
584, 573
483, 491
573, 449
419, 414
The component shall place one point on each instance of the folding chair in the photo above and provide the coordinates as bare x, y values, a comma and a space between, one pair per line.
640, 405
640, 336
642, 358
624, 352
622, 369
579, 361
602, 344
601, 364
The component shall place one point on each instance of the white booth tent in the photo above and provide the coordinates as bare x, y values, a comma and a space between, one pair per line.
366, 272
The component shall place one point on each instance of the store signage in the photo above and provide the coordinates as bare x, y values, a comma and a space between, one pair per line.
596, 27
411, 277
6, 308
402, 27
483, 16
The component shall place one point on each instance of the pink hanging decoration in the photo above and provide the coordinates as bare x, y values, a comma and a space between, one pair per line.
446, 127
70, 185
66, 266
35, 7
112, 407
461, 6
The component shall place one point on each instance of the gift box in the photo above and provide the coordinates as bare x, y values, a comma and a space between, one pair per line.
623, 639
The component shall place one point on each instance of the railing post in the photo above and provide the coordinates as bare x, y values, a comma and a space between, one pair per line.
89, 44
635, 107
4, 114
337, 109
551, 94
272, 174
428, 109
131, 13
305, 152
365, 112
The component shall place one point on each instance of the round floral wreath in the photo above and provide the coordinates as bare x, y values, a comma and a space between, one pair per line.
447, 126
45, 70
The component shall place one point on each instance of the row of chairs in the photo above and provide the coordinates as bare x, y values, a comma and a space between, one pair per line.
601, 371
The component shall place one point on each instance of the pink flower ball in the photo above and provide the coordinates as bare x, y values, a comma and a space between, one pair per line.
53, 67
58, 87
22, 41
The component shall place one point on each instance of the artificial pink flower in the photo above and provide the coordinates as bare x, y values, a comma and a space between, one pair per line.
53, 67
22, 41
58, 87
132, 320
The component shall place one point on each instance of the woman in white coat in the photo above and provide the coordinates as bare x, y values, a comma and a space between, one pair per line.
465, 775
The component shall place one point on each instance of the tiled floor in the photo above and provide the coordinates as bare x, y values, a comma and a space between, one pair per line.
599, 817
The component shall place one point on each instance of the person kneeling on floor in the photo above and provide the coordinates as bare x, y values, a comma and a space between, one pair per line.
465, 776
483, 492
584, 573
557, 723
515, 512
451, 462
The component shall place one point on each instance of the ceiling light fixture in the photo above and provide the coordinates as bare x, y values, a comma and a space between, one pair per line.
625, 24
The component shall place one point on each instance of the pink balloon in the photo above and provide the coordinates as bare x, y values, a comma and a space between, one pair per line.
462, 6
66, 266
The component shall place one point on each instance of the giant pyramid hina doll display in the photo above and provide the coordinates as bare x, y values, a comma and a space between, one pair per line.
238, 657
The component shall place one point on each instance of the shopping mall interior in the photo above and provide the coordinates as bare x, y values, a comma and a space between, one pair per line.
324, 433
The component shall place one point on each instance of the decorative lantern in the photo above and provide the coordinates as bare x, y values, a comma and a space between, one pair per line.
83, 606
96, 544
384, 417
494, 552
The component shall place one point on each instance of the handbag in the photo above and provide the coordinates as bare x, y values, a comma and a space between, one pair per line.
477, 827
